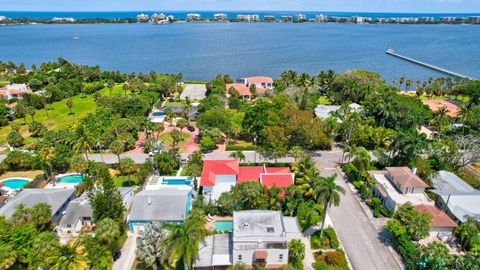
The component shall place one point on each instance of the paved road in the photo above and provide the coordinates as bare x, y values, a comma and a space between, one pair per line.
125, 262
326, 158
357, 234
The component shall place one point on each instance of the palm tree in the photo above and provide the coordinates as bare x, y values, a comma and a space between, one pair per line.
327, 193
127, 166
308, 183
441, 119
238, 155
149, 249
362, 158
117, 147
110, 85
47, 154
194, 166
67, 258
297, 152
401, 81
183, 240
83, 141
107, 231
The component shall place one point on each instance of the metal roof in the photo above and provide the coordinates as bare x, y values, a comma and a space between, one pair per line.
167, 204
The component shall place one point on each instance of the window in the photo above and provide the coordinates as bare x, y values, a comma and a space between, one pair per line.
239, 257
280, 257
270, 229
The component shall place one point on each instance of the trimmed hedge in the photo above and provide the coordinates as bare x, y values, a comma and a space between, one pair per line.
240, 148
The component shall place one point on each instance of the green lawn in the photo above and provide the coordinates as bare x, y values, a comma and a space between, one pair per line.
167, 139
59, 116
174, 103
3, 83
122, 181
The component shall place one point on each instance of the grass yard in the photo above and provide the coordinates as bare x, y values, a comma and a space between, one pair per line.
167, 139
174, 103
59, 116
3, 83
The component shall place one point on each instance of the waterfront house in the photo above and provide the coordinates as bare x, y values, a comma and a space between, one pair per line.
193, 17
169, 205
286, 18
57, 199
456, 197
14, 90
259, 239
79, 213
248, 17
397, 186
300, 17
269, 18
244, 90
219, 176
142, 17
259, 81
220, 16
441, 223
325, 111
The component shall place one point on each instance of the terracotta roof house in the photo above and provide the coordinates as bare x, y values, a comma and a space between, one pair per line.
395, 187
219, 176
244, 90
259, 81
405, 180
435, 105
14, 90
441, 222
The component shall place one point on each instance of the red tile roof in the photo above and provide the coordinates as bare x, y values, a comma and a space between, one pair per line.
406, 177
439, 218
250, 173
211, 168
278, 170
3, 198
243, 89
281, 180
259, 79
435, 105
12, 105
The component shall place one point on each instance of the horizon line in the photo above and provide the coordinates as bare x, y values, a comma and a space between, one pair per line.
219, 10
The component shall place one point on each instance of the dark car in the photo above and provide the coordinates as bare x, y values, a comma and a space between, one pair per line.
191, 128
117, 255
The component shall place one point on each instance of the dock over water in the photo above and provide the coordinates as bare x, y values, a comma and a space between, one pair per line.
432, 67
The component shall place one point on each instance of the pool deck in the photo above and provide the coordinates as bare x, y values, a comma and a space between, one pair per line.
55, 184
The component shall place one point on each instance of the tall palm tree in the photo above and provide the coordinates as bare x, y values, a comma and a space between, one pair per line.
441, 119
47, 154
327, 193
304, 165
308, 183
83, 142
149, 249
67, 258
183, 240
107, 231
362, 158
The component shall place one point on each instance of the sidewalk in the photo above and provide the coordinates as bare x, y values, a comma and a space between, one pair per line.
125, 262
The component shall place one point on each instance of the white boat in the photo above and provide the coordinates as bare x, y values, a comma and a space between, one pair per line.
75, 37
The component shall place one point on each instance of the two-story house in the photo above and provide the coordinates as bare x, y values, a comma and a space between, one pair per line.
259, 239
398, 185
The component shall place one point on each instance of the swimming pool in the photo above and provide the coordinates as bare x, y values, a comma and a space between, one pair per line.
157, 114
223, 225
70, 179
177, 181
14, 183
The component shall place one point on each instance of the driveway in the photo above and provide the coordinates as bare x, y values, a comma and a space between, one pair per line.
125, 262
357, 234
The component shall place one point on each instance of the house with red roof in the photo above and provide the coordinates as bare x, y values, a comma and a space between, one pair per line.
441, 222
219, 176
259, 81
244, 90
14, 90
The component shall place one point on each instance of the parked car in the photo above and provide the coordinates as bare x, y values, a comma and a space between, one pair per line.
117, 255
191, 128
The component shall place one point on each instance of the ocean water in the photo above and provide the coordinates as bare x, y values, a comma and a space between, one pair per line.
201, 50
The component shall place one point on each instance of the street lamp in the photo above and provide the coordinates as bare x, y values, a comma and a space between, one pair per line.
99, 145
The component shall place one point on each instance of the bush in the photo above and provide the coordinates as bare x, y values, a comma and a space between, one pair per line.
14, 139
207, 143
17, 160
336, 258
329, 239
375, 212
37, 129
240, 148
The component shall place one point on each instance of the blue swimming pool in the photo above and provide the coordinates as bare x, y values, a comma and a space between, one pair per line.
177, 181
158, 114
71, 179
223, 225
14, 183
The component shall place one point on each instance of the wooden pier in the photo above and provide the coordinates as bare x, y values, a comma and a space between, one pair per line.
432, 67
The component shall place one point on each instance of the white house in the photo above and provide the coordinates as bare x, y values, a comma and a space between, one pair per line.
398, 185
259, 81
259, 239
220, 16
193, 17
14, 90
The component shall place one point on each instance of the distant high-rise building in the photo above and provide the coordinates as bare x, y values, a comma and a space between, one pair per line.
142, 17
321, 18
248, 17
286, 18
269, 18
220, 17
301, 17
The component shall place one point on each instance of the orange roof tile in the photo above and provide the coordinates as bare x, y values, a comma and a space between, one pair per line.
435, 105
439, 218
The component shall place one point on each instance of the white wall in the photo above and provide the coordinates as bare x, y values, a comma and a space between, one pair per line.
272, 258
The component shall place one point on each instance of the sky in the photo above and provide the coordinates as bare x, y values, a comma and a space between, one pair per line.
406, 6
